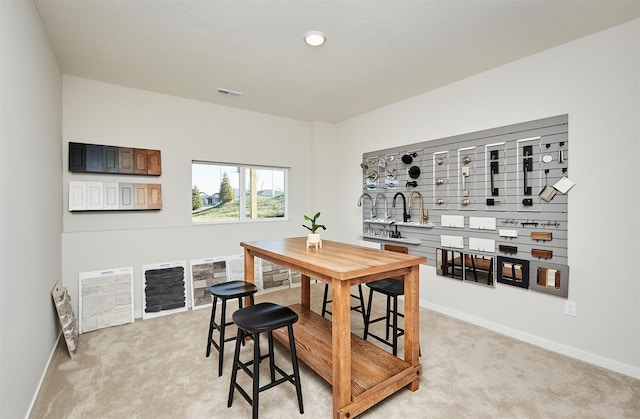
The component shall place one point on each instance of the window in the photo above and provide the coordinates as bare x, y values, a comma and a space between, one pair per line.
232, 193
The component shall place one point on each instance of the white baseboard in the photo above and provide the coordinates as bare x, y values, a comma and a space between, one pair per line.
44, 374
569, 351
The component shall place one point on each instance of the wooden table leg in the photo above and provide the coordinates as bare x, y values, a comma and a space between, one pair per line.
341, 344
249, 273
412, 320
305, 291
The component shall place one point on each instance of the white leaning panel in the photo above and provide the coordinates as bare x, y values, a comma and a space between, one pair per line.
106, 298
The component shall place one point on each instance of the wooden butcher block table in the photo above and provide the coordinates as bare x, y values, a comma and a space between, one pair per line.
361, 373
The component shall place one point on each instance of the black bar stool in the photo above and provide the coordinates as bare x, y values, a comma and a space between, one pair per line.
359, 307
392, 289
254, 320
226, 291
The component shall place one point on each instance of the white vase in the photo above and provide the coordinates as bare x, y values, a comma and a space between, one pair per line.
314, 238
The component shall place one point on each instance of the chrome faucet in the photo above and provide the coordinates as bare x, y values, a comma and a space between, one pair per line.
405, 214
386, 207
423, 216
373, 205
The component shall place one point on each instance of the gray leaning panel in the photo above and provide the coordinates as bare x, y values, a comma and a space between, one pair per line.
494, 164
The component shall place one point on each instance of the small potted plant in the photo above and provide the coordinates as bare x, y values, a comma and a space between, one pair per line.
313, 237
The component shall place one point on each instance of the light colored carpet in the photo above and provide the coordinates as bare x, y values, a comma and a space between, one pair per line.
156, 368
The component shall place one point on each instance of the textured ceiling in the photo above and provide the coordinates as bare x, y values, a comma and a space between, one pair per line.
377, 52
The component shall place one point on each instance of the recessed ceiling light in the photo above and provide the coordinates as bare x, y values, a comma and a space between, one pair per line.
315, 38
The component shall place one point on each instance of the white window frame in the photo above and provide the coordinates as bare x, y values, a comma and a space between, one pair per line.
242, 189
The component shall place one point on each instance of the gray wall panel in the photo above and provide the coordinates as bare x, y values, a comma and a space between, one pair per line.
385, 174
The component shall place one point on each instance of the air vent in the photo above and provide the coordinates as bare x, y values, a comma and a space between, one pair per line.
227, 92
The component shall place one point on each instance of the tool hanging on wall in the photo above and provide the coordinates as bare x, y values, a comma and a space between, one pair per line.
541, 235
508, 249
527, 166
503, 170
464, 175
548, 192
542, 253
392, 173
494, 171
408, 158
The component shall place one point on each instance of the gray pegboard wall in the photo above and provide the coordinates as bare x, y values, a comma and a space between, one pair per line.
489, 205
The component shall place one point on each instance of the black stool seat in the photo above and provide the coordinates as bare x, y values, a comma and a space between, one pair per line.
388, 286
264, 317
226, 291
233, 289
254, 320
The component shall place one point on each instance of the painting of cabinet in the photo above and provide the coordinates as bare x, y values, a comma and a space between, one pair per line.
77, 196
140, 194
154, 191
125, 160
94, 158
110, 159
140, 161
111, 196
126, 196
77, 157
97, 196
94, 196
154, 165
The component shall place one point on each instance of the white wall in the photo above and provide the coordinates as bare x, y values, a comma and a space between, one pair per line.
183, 130
31, 204
595, 80
325, 175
